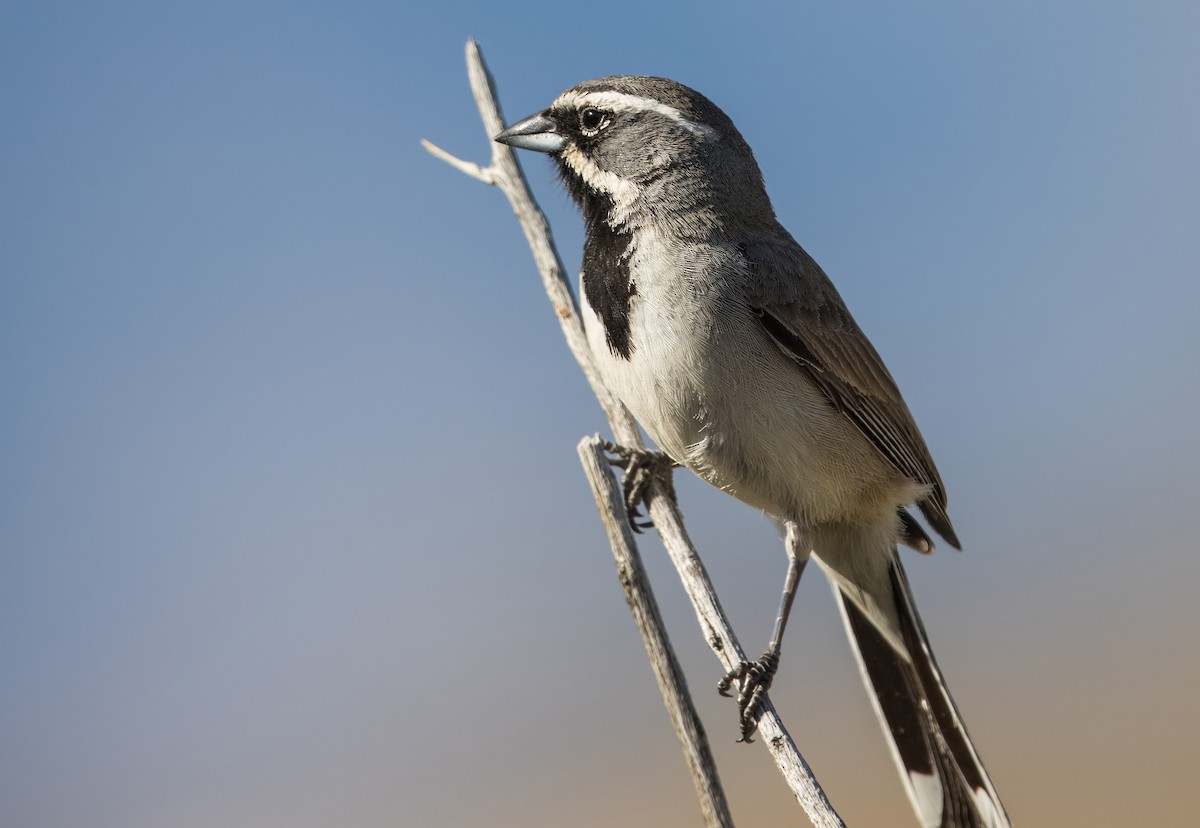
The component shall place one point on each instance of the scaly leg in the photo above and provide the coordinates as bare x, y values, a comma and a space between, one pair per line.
755, 677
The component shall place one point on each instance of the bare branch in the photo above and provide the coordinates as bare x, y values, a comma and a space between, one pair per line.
484, 174
640, 597
505, 173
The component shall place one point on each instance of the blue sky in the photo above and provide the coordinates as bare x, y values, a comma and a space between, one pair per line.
292, 530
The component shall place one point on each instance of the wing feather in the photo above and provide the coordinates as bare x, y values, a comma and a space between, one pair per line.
803, 313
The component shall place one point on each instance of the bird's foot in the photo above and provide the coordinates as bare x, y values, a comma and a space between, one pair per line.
754, 679
642, 467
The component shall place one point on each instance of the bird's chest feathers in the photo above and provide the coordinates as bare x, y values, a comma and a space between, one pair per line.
649, 329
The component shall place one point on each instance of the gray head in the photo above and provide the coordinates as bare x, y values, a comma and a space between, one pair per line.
639, 150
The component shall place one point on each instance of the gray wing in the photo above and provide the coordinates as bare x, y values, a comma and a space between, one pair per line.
803, 313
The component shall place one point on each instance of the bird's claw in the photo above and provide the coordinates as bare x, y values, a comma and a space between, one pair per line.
754, 679
642, 467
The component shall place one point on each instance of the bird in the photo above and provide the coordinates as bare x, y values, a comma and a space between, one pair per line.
735, 352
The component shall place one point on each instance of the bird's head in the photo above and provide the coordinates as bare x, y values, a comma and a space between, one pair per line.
637, 150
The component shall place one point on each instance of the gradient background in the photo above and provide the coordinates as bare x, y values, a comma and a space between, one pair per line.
292, 529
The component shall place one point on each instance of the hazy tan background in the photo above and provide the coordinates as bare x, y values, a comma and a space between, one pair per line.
292, 532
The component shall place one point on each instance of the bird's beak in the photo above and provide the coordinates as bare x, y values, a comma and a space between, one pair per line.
537, 133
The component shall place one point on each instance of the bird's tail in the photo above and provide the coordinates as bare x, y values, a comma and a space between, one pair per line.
945, 778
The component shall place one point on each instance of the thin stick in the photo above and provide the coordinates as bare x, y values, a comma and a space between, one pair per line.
640, 597
505, 173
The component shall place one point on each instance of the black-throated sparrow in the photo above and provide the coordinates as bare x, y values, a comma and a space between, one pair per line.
735, 352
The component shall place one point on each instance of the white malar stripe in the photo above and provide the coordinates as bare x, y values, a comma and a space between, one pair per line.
621, 102
622, 192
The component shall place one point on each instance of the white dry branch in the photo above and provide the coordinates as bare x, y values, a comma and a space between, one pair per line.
640, 597
505, 173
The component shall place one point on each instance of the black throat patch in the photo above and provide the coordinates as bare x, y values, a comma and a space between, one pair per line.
608, 286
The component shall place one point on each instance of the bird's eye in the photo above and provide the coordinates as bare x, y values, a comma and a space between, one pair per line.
592, 119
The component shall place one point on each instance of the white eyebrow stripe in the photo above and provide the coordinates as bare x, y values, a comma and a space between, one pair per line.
621, 102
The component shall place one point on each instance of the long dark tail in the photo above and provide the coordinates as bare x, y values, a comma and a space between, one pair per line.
946, 780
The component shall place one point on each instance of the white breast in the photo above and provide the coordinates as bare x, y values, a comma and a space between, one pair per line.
718, 396
663, 383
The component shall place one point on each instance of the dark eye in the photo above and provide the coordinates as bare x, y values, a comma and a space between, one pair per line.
591, 119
